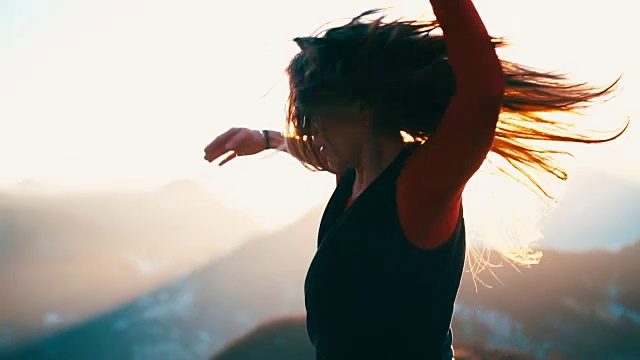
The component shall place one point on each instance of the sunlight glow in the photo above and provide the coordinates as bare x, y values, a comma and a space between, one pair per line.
130, 107
107, 99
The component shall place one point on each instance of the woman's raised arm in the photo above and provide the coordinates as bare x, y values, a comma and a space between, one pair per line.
435, 175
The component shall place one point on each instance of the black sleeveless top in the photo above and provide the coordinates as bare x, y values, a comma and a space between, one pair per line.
369, 292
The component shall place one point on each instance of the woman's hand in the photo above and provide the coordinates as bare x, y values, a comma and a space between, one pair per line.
240, 141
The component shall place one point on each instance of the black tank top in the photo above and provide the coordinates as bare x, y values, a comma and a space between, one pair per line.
369, 292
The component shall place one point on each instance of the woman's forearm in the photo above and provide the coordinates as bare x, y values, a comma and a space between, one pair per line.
470, 51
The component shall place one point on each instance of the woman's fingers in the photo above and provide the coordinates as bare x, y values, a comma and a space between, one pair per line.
219, 146
229, 157
240, 141
234, 144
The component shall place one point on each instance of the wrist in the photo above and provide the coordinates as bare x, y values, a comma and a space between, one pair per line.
267, 139
276, 140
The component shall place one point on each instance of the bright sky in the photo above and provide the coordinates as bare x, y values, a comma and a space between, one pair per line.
124, 94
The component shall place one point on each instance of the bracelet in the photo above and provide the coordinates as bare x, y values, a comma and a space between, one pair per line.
267, 140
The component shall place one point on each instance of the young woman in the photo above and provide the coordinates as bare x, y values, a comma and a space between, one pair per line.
391, 243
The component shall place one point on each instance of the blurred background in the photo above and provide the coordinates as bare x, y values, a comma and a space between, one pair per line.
118, 241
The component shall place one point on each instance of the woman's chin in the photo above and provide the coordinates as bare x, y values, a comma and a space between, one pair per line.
333, 161
336, 166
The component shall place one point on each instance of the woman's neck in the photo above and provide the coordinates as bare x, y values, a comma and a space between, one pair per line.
375, 158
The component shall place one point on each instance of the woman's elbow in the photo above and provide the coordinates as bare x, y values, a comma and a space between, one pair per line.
485, 91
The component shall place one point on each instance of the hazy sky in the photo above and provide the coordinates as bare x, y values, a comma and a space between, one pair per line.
124, 94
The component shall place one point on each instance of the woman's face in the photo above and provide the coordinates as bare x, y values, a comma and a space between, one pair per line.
339, 132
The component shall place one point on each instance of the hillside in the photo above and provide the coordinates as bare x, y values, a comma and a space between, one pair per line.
287, 339
581, 304
585, 305
65, 258
199, 313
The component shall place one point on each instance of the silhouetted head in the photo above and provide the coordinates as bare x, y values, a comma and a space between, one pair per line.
367, 79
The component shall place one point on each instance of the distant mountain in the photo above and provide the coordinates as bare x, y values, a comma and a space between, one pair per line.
67, 257
583, 305
180, 209
200, 313
29, 186
287, 339
573, 305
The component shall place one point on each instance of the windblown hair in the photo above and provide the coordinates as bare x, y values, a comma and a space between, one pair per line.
400, 70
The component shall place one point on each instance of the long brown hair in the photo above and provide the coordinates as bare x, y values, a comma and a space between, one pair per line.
400, 69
